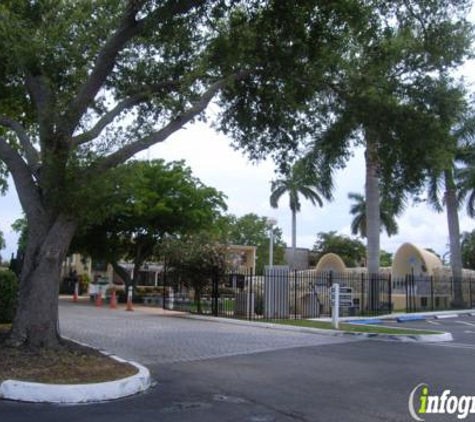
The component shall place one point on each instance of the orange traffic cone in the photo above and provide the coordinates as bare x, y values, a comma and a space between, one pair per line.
129, 300
99, 299
113, 300
75, 294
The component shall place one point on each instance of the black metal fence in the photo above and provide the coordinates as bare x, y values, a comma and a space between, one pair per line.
431, 293
282, 294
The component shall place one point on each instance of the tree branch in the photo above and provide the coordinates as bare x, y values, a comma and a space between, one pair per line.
126, 104
128, 28
23, 178
31, 154
41, 95
130, 150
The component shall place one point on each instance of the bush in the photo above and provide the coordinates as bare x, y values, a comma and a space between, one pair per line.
8, 296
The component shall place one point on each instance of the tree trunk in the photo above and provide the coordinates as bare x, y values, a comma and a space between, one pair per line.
454, 236
373, 224
294, 238
36, 320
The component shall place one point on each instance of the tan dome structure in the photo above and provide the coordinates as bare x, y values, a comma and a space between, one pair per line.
330, 262
410, 259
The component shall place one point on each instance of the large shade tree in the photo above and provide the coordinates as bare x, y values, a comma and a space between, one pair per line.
151, 200
87, 85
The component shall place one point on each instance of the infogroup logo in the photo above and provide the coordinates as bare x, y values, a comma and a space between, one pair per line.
421, 404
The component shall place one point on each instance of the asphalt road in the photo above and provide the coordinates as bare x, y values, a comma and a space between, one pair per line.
365, 380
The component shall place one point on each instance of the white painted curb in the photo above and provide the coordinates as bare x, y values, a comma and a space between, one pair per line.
78, 393
446, 316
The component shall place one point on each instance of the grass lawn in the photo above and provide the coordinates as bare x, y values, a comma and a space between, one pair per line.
353, 328
69, 364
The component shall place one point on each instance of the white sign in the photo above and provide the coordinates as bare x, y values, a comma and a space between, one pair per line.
345, 296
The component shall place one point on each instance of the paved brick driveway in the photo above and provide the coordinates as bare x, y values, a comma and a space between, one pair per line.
150, 338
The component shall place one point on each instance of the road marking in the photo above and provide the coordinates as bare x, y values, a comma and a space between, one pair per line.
446, 316
469, 332
433, 322
466, 323
452, 345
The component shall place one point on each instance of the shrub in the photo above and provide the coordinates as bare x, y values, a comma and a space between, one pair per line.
84, 281
8, 296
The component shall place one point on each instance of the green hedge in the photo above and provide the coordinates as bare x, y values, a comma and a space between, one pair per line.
8, 296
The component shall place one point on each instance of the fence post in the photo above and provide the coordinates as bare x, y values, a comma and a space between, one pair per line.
390, 294
432, 292
335, 292
470, 286
407, 293
362, 305
215, 294
295, 294
164, 291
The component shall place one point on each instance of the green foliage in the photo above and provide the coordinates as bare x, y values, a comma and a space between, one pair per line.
252, 230
198, 259
20, 226
2, 241
303, 179
468, 249
84, 281
8, 296
389, 209
352, 251
150, 200
385, 258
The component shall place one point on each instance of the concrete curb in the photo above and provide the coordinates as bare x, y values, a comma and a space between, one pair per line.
406, 317
78, 393
423, 338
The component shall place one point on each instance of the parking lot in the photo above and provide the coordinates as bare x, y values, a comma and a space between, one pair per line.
461, 327
213, 372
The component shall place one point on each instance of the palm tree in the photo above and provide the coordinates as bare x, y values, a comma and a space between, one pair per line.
304, 180
457, 183
388, 210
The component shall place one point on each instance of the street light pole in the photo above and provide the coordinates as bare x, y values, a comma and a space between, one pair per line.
271, 222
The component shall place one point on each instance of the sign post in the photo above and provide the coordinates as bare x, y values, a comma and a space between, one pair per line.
336, 305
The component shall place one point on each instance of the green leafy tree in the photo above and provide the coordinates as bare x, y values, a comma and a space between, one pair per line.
384, 98
153, 199
386, 258
198, 259
388, 210
352, 251
468, 249
301, 181
253, 230
87, 85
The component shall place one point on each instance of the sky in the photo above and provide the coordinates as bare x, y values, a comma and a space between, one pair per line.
247, 187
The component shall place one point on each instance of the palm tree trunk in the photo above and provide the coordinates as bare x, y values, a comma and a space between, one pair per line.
373, 224
454, 236
294, 238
